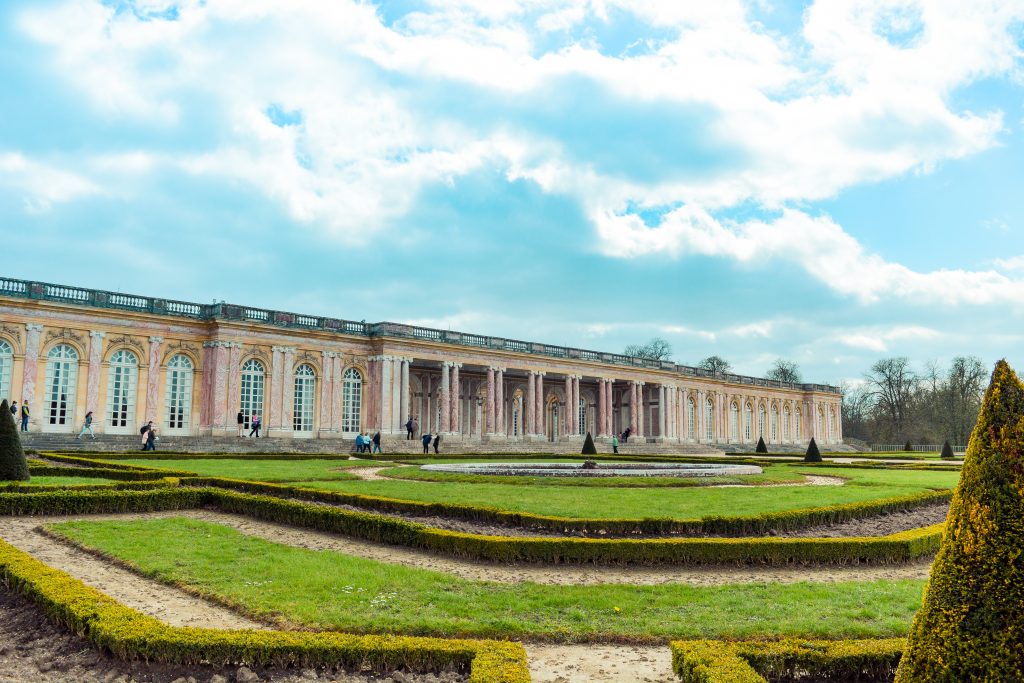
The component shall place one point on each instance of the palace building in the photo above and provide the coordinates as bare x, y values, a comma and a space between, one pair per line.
191, 367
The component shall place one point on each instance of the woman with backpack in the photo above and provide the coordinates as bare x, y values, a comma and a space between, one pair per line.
87, 426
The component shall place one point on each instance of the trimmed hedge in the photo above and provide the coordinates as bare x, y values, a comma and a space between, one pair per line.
103, 473
750, 525
74, 502
707, 661
29, 487
115, 628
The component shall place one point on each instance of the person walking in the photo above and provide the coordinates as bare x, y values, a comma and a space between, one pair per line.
241, 423
376, 443
146, 428
437, 443
150, 439
625, 435
615, 443
87, 427
408, 429
426, 442
25, 412
255, 424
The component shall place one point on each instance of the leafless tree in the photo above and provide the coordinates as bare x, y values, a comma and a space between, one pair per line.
715, 364
892, 384
784, 371
656, 349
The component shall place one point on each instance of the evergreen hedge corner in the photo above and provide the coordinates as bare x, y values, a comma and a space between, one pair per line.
761, 447
13, 466
971, 624
588, 446
947, 450
813, 454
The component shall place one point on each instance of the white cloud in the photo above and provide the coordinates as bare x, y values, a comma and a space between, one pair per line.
42, 185
1012, 263
880, 338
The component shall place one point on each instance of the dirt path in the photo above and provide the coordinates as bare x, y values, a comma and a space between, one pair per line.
599, 663
168, 604
543, 574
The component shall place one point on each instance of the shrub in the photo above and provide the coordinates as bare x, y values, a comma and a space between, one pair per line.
908, 447
761, 446
947, 450
971, 625
13, 466
588, 446
813, 454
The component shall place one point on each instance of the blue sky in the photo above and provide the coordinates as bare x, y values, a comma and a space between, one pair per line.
826, 182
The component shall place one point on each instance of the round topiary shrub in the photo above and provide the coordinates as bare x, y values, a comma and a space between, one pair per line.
588, 446
761, 447
813, 454
971, 625
947, 450
13, 466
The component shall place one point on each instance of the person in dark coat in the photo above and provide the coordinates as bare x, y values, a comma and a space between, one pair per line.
426, 442
437, 442
376, 443
625, 435
241, 423
150, 439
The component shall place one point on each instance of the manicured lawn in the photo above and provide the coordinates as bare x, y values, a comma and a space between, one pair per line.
260, 470
676, 503
325, 589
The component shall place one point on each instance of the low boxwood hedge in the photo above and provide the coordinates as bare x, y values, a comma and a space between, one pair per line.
46, 470
115, 628
29, 487
708, 661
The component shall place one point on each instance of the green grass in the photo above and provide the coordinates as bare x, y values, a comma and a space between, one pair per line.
675, 503
66, 481
259, 470
324, 589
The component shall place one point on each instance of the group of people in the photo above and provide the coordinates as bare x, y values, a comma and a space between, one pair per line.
254, 424
412, 426
25, 412
364, 442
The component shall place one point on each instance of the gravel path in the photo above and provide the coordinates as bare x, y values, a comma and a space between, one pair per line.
585, 663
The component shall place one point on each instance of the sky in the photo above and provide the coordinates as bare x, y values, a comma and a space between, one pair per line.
829, 183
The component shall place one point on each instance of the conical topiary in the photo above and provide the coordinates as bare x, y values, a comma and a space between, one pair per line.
908, 447
971, 625
761, 447
813, 454
947, 450
588, 446
13, 466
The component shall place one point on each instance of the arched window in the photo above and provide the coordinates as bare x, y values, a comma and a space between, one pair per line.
709, 420
583, 417
760, 422
122, 379
748, 422
691, 419
253, 383
61, 376
305, 398
179, 393
352, 401
785, 424
797, 426
775, 424
734, 423
517, 406
6, 363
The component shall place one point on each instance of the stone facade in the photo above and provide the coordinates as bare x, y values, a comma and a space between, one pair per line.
190, 368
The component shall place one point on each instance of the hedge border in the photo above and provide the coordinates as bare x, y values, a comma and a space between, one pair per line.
110, 626
715, 661
736, 526
104, 473
895, 548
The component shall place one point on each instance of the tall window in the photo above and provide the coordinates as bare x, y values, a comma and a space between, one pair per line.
583, 417
775, 424
6, 363
709, 420
797, 427
61, 375
352, 401
760, 422
305, 397
734, 423
691, 418
253, 382
785, 424
179, 392
122, 378
553, 421
748, 423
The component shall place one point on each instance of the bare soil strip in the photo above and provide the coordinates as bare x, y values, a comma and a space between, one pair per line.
585, 663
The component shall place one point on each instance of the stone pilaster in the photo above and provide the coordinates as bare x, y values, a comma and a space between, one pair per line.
455, 424
326, 393
444, 397
499, 404
151, 407
30, 369
92, 382
530, 405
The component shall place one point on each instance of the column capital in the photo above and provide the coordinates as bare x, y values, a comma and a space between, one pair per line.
283, 349
156, 340
33, 327
97, 335
329, 354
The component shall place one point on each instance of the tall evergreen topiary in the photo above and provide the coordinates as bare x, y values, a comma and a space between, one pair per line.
588, 446
813, 454
947, 450
908, 447
13, 466
761, 447
971, 626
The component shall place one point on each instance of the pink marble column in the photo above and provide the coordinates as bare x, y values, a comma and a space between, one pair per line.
288, 390
220, 385
33, 336
326, 386
92, 382
633, 411
575, 408
567, 420
405, 406
499, 402
641, 416
234, 380
489, 412
531, 403
152, 405
600, 407
609, 420
541, 417
444, 396
276, 382
456, 399
336, 392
